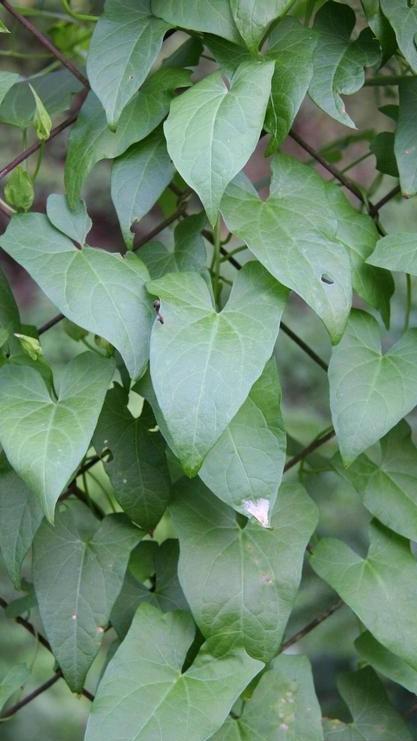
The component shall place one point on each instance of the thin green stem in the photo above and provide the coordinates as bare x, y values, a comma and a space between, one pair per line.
408, 302
41, 152
78, 16
236, 250
24, 55
23, 10
387, 80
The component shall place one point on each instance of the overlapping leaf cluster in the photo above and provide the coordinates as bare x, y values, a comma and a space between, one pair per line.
194, 561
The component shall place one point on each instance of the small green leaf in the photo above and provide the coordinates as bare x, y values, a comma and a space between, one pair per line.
405, 144
3, 28
30, 345
55, 90
78, 571
382, 146
199, 15
370, 392
144, 682
283, 706
385, 578
165, 592
20, 516
75, 223
138, 178
212, 129
19, 192
291, 46
373, 717
9, 313
381, 27
137, 469
338, 62
98, 290
189, 253
234, 346
41, 119
91, 140
125, 43
14, 679
253, 18
396, 252
241, 583
7, 79
384, 662
387, 481
45, 438
244, 468
402, 15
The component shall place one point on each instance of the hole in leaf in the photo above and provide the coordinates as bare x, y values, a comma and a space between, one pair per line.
325, 278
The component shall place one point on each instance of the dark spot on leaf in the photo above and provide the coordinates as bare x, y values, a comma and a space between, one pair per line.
325, 278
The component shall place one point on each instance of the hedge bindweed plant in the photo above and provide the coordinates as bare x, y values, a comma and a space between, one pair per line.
193, 559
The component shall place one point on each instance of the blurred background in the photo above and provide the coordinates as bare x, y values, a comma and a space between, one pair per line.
57, 715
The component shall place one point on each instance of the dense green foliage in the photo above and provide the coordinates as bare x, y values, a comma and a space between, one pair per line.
144, 514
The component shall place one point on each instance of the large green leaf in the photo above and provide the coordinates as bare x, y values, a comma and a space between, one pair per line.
376, 587
137, 469
144, 694
373, 717
189, 253
385, 662
402, 15
396, 252
370, 391
138, 178
211, 16
241, 582
78, 571
253, 18
165, 592
20, 516
300, 234
388, 481
91, 140
199, 393
283, 706
212, 129
125, 43
244, 468
291, 45
98, 290
405, 142
7, 80
74, 222
45, 437
338, 62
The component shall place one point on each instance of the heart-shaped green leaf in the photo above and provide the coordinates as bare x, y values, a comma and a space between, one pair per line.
144, 681
125, 43
100, 291
386, 577
44, 437
199, 15
241, 583
137, 469
370, 392
244, 468
212, 129
78, 570
200, 392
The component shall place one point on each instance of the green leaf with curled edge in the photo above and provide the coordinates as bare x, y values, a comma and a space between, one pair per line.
309, 237
339, 62
370, 392
200, 393
98, 290
386, 577
283, 706
125, 43
78, 570
138, 178
374, 719
137, 468
45, 437
213, 129
189, 253
91, 140
145, 693
244, 468
241, 583
387, 480
254, 17
209, 16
